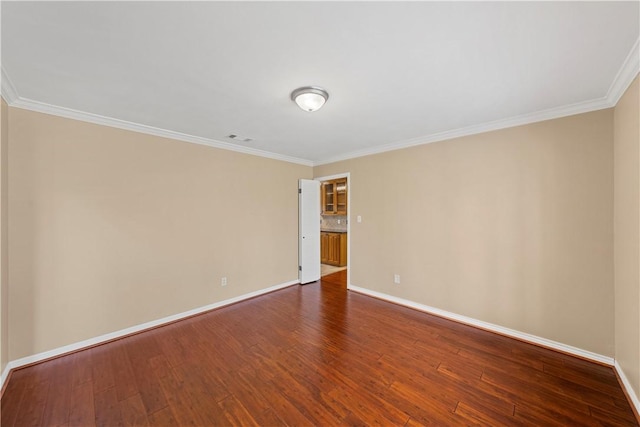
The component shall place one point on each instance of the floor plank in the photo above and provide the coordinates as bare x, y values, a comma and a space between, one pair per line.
315, 355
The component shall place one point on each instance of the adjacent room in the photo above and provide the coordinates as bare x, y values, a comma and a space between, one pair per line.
334, 235
320, 213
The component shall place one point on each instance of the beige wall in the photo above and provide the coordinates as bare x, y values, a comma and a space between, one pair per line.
110, 228
4, 309
627, 233
512, 227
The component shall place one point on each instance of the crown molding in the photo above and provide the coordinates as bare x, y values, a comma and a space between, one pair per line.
554, 113
9, 92
626, 74
524, 119
41, 107
624, 77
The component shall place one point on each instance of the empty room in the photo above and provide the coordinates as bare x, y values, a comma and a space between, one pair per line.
320, 213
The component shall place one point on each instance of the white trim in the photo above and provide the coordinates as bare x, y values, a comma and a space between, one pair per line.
626, 74
488, 326
5, 374
9, 92
538, 116
41, 107
553, 113
627, 385
133, 329
568, 110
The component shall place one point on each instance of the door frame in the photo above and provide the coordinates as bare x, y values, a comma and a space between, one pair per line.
348, 176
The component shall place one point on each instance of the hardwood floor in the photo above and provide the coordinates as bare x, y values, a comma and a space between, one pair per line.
315, 355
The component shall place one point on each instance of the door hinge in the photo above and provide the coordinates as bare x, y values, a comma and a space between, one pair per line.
299, 190
299, 268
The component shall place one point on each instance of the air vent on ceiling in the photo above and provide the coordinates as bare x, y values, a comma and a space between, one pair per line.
239, 138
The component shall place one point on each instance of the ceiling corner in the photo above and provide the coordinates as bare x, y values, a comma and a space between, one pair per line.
628, 71
9, 92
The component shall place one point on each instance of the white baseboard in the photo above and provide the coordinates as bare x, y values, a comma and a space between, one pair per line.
489, 326
132, 330
5, 375
407, 303
635, 401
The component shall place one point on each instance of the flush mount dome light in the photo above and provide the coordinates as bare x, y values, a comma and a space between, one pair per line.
310, 98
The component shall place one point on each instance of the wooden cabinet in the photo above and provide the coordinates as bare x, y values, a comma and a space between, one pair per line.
324, 248
334, 197
333, 248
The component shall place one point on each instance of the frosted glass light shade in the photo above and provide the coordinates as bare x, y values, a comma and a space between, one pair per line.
310, 98
310, 101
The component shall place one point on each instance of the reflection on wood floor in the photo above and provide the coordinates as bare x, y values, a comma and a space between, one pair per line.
315, 355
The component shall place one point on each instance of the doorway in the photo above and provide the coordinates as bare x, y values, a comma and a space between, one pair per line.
335, 197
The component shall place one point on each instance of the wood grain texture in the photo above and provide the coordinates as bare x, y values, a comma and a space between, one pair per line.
315, 355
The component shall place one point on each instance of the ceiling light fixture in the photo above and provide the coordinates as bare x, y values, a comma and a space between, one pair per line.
310, 98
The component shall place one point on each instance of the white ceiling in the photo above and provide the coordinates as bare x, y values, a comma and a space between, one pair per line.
398, 73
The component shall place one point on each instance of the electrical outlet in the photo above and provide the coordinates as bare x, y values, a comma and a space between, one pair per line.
396, 279
223, 281
359, 218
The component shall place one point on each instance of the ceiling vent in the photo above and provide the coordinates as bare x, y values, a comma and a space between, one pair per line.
239, 138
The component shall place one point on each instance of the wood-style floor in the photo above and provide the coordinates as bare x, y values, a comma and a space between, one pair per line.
315, 355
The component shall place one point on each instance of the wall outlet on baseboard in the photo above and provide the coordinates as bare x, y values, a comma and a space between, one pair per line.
396, 279
223, 281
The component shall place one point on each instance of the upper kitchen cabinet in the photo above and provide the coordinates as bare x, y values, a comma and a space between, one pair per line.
334, 197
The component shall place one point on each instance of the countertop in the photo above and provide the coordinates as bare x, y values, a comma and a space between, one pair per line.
328, 230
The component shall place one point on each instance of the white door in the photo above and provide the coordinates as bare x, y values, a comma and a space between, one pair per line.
308, 230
